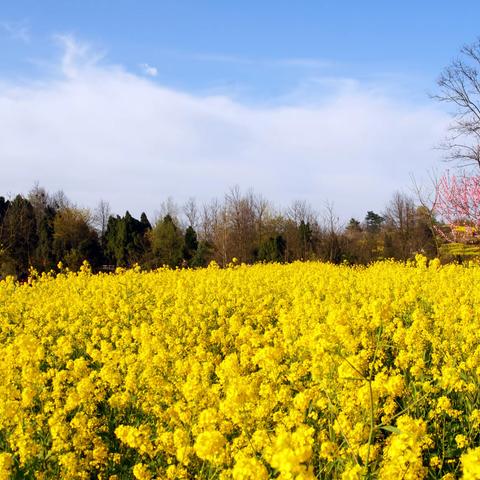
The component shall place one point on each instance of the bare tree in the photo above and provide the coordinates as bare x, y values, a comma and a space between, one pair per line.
101, 215
400, 211
168, 207
261, 208
241, 218
400, 217
300, 211
60, 201
209, 220
39, 199
459, 86
190, 210
332, 230
223, 235
301, 224
426, 220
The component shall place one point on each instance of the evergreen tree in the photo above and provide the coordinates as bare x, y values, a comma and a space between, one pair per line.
114, 244
18, 237
272, 250
126, 240
354, 226
44, 256
388, 247
167, 243
190, 244
145, 222
306, 238
373, 222
4, 204
203, 255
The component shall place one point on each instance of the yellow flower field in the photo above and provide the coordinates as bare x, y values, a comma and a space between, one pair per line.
301, 371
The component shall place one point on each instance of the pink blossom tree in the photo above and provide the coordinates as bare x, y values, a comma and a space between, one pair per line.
457, 202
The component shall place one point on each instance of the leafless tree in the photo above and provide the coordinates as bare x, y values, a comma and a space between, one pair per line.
425, 196
39, 199
400, 217
60, 201
190, 210
168, 207
300, 211
101, 215
241, 217
214, 229
261, 208
222, 235
400, 211
300, 225
331, 230
209, 218
459, 86
330, 220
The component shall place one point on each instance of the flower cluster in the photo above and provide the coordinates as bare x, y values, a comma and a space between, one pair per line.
296, 371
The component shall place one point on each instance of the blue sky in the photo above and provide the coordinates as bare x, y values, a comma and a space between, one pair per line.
328, 99
201, 46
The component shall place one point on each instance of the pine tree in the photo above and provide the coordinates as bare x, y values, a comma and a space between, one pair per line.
190, 244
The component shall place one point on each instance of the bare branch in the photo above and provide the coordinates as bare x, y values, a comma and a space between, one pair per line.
459, 85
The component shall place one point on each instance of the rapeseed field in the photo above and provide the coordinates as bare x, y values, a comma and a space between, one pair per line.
296, 371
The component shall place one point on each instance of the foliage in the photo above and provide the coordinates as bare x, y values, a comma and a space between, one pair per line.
373, 222
18, 235
73, 238
168, 243
43, 229
302, 371
272, 249
190, 244
125, 239
459, 250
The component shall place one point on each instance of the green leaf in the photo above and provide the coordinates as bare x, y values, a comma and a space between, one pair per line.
390, 428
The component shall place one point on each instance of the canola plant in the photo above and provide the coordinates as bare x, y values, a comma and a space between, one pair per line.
296, 371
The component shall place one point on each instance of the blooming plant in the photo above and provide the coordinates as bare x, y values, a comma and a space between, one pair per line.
297, 371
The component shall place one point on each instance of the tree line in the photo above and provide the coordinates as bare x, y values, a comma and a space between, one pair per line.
40, 230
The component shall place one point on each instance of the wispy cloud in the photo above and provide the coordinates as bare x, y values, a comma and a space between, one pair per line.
103, 132
17, 30
149, 70
301, 62
220, 58
76, 56
293, 62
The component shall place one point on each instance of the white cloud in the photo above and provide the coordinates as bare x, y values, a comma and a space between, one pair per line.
76, 57
149, 70
102, 132
17, 30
